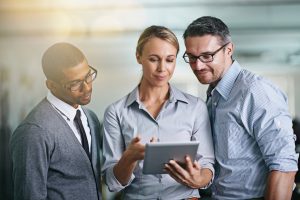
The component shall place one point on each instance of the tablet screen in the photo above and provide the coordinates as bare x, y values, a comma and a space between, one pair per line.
159, 153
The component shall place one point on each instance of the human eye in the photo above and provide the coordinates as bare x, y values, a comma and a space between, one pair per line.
153, 59
89, 77
192, 58
171, 59
206, 57
74, 84
90, 74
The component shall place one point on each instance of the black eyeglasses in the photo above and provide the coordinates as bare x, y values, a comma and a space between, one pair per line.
77, 84
205, 58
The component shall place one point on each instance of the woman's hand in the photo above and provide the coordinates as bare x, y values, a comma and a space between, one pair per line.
124, 168
192, 175
136, 150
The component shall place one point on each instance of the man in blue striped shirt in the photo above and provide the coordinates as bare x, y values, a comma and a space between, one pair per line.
252, 128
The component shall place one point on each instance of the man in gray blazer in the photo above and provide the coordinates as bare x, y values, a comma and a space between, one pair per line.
56, 149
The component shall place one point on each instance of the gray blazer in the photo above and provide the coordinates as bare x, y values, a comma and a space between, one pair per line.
48, 160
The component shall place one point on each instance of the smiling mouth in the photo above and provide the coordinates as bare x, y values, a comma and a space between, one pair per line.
87, 96
200, 72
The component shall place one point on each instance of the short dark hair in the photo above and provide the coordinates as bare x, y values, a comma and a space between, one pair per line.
208, 25
58, 57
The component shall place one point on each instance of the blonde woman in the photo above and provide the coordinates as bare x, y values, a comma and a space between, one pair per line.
156, 110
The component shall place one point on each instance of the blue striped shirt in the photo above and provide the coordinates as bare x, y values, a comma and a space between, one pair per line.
252, 134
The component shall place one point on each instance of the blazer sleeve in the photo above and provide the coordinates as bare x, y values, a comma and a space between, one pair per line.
30, 151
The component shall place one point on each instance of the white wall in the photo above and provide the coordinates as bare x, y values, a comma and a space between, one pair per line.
265, 32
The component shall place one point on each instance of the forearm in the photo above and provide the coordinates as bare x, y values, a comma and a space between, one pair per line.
124, 168
279, 185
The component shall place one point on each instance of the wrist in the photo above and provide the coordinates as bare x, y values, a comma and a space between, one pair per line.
128, 157
205, 179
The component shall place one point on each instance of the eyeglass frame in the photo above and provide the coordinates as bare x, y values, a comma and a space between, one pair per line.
93, 70
204, 54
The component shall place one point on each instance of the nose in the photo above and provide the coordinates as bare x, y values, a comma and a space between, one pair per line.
198, 65
161, 66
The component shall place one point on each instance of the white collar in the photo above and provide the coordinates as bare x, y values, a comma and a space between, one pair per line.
62, 107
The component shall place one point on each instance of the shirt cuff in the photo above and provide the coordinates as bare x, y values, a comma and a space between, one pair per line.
284, 165
112, 182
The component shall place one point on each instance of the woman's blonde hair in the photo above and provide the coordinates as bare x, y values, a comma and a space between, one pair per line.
160, 32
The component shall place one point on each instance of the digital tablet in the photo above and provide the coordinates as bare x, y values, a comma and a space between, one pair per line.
159, 153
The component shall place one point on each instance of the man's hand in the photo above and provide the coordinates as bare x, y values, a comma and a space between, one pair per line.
192, 175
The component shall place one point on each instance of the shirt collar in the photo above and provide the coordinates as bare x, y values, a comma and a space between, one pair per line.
175, 95
226, 84
62, 107
133, 97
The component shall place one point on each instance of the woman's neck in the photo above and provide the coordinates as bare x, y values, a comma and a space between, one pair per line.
149, 93
153, 98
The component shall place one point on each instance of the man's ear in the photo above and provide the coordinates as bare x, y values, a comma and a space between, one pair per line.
138, 58
51, 85
230, 49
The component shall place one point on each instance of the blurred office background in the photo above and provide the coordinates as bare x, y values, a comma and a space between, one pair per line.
266, 34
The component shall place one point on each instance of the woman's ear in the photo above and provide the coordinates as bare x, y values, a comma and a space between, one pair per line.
138, 58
